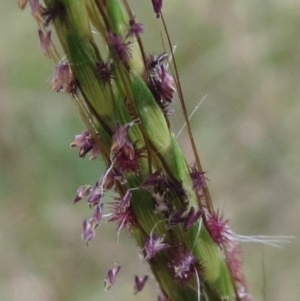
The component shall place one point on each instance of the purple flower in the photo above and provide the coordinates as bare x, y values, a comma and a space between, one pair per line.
95, 195
191, 218
45, 42
90, 224
121, 48
157, 6
126, 154
154, 179
82, 192
165, 84
88, 231
86, 143
160, 82
234, 263
158, 179
111, 177
198, 179
139, 283
218, 228
104, 71
135, 29
153, 245
119, 138
178, 216
187, 218
127, 159
182, 268
97, 216
125, 200
110, 279
183, 265
64, 80
123, 216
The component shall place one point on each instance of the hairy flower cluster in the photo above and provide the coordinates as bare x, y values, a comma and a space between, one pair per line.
218, 228
183, 265
198, 179
153, 245
187, 218
160, 82
86, 143
125, 157
164, 190
105, 72
120, 47
126, 154
122, 215
234, 263
64, 80
135, 29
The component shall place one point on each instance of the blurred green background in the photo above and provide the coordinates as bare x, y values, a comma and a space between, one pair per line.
245, 56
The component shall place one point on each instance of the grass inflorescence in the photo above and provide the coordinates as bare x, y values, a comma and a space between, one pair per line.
123, 94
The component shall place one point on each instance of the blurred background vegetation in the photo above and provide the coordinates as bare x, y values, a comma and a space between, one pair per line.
245, 56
